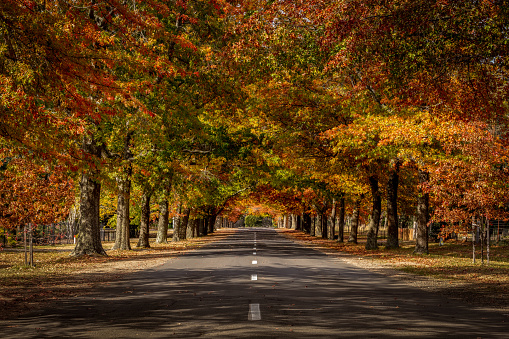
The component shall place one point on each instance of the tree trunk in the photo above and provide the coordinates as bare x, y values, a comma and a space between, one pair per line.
123, 220
313, 226
306, 223
185, 221
376, 212
162, 223
88, 241
299, 222
323, 225
295, 221
341, 220
144, 221
73, 220
191, 228
211, 219
196, 230
488, 241
421, 239
177, 224
332, 221
355, 222
392, 208
202, 228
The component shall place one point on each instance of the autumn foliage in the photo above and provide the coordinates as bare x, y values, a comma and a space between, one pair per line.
284, 107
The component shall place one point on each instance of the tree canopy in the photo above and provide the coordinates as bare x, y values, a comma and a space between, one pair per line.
220, 107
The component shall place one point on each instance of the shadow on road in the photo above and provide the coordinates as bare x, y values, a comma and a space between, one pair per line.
301, 292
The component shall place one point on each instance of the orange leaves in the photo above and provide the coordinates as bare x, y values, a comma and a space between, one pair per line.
32, 192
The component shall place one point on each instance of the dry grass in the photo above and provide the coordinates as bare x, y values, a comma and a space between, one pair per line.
57, 275
450, 264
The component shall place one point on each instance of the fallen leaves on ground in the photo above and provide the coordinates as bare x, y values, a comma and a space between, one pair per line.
57, 275
450, 264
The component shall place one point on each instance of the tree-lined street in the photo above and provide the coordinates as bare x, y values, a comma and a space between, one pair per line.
131, 129
210, 292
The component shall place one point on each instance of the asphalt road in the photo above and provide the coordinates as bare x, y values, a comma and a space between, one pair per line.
257, 284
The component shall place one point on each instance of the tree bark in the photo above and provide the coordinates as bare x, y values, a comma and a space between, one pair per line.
162, 223
332, 221
392, 207
177, 225
122, 241
376, 212
143, 241
421, 240
341, 220
123, 219
185, 221
192, 225
355, 222
88, 241
312, 231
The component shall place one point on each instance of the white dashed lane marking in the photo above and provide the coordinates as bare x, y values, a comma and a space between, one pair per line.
254, 276
254, 312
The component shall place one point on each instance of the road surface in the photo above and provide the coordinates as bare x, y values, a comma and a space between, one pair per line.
257, 284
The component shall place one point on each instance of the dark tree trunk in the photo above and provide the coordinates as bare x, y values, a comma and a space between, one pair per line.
341, 220
88, 241
376, 212
211, 219
306, 223
313, 226
421, 240
203, 227
299, 222
332, 221
323, 225
144, 221
355, 222
392, 208
123, 219
162, 223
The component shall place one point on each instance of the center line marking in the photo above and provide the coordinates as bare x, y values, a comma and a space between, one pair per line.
254, 312
254, 262
254, 276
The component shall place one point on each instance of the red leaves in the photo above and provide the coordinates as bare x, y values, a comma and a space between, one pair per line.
33, 193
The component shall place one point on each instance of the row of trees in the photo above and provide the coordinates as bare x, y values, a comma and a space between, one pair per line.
302, 107
369, 102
